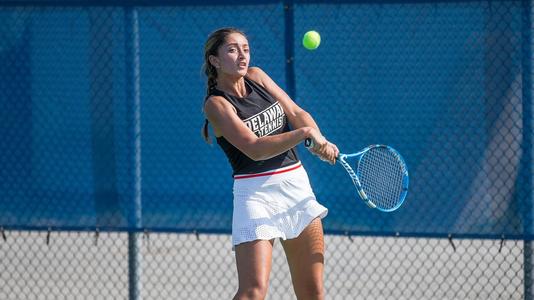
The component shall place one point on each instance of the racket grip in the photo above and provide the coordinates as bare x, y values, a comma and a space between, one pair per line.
308, 143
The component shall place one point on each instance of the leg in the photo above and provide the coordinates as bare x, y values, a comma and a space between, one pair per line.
254, 261
305, 256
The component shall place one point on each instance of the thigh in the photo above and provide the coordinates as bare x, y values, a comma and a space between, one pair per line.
305, 256
253, 260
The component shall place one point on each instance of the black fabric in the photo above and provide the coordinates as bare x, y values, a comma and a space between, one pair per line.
264, 116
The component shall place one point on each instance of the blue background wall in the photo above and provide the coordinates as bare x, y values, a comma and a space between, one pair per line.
447, 84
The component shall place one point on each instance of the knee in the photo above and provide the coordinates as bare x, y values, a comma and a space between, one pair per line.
311, 290
255, 292
311, 295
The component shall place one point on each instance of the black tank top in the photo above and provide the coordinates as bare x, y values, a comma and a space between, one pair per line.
264, 116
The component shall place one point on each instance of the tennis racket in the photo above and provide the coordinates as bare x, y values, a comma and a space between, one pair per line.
379, 174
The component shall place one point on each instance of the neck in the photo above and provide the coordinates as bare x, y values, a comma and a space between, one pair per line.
234, 86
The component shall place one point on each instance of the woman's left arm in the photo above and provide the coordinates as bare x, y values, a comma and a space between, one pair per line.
296, 116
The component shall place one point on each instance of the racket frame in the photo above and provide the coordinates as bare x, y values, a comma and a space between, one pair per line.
342, 159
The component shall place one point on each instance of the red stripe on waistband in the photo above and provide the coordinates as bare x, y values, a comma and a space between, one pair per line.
267, 173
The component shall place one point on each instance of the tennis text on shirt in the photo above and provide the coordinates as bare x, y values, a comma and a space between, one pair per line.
267, 121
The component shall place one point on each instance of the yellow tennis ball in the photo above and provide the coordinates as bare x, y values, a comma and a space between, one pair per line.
311, 40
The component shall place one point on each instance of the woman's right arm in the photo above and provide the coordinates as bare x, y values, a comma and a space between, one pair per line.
225, 122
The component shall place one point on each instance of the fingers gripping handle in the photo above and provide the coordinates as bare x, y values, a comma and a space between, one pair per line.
308, 143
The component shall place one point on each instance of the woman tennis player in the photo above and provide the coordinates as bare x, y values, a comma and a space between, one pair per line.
257, 125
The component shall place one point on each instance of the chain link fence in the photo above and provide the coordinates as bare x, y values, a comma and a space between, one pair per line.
78, 265
108, 192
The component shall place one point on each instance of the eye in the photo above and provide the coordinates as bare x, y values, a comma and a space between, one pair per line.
245, 50
231, 50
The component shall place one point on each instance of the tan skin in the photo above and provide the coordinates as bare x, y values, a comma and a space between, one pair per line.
305, 254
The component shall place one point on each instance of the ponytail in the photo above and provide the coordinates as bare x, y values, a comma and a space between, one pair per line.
205, 132
211, 73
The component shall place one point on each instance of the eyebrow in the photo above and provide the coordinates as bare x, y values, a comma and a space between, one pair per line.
235, 44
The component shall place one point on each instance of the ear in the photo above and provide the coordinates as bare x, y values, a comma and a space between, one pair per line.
214, 61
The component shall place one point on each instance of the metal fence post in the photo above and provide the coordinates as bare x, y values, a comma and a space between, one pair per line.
289, 48
528, 130
134, 117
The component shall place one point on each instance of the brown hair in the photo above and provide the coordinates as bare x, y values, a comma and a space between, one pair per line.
212, 45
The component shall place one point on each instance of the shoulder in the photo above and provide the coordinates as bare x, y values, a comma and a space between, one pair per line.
216, 101
258, 75
254, 72
216, 104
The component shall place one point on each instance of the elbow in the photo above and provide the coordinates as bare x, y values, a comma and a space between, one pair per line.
303, 114
256, 155
255, 152
299, 115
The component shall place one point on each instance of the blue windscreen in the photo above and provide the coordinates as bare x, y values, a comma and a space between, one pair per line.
100, 112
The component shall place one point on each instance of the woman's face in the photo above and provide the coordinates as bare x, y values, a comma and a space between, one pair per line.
233, 56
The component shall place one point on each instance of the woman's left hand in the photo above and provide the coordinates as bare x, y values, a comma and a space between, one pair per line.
328, 154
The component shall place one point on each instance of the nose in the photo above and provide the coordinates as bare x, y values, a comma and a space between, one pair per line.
241, 53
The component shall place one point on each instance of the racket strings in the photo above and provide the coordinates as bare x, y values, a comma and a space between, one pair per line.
381, 175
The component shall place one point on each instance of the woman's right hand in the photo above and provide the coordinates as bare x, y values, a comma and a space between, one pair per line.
322, 148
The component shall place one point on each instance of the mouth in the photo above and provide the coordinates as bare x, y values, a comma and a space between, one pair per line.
242, 64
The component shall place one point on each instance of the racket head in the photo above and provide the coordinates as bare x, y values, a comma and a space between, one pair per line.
381, 177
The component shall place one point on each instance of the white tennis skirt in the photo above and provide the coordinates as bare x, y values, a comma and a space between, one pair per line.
274, 204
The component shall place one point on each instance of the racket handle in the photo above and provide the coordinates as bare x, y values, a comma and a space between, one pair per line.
308, 143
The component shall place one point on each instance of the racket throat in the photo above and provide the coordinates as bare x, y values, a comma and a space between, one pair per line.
363, 195
366, 199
